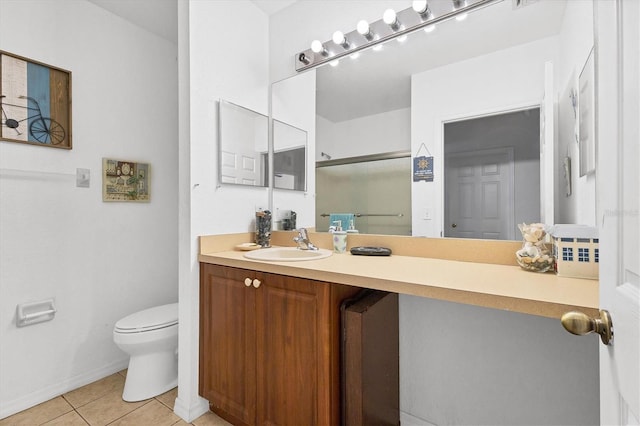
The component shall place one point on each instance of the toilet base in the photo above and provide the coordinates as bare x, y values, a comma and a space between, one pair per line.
150, 375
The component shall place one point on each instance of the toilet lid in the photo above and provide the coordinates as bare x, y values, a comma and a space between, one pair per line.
149, 319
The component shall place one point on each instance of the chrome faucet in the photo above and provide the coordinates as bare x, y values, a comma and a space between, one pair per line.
303, 240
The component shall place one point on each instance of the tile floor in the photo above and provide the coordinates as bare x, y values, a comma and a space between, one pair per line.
100, 403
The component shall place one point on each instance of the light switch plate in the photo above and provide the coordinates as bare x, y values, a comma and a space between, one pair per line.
83, 178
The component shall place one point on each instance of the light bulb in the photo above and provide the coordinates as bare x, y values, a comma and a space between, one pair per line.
430, 28
389, 17
364, 30
420, 6
363, 27
339, 38
317, 47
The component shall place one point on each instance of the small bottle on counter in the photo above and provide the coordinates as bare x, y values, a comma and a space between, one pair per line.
263, 228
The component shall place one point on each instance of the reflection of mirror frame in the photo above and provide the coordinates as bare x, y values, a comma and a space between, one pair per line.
586, 117
299, 180
259, 159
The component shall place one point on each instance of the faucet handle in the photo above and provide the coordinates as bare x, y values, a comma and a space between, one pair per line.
303, 233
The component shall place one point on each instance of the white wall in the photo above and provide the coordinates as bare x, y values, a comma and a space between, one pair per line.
508, 79
372, 134
100, 261
293, 102
223, 55
467, 365
527, 348
575, 43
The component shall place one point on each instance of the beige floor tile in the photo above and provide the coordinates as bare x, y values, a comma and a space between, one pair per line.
69, 419
168, 398
210, 419
108, 408
123, 373
91, 392
39, 414
181, 423
152, 413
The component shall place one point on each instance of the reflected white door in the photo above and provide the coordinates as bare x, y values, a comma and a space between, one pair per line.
618, 42
479, 200
242, 167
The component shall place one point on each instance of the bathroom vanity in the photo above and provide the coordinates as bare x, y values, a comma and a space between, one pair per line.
251, 311
269, 346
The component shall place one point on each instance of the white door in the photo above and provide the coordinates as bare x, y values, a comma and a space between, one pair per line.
479, 201
618, 42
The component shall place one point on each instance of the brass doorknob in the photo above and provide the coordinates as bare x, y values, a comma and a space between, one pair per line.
581, 324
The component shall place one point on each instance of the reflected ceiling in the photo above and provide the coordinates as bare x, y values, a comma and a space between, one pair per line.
353, 88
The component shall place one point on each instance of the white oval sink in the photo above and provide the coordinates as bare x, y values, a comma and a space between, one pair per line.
287, 254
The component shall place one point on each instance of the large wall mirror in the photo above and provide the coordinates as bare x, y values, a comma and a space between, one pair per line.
490, 100
243, 150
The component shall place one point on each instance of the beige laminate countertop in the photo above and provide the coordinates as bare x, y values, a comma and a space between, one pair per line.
496, 286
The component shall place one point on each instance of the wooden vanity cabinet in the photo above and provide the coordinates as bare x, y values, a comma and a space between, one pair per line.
270, 347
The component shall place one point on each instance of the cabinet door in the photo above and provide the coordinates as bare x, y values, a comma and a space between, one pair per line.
228, 339
294, 357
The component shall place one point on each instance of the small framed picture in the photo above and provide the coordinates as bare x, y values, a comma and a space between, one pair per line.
125, 181
35, 102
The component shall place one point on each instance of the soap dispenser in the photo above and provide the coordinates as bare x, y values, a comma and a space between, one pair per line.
339, 238
352, 229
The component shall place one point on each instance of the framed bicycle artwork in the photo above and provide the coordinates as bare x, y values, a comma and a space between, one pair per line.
35, 102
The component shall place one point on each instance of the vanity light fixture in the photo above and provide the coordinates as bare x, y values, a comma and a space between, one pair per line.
391, 19
423, 14
339, 38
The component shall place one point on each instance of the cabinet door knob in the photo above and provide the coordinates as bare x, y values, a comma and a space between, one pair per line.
256, 283
247, 282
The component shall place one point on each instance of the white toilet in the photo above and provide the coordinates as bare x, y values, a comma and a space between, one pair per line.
150, 337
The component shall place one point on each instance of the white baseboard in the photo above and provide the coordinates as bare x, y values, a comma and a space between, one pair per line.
407, 419
8, 408
189, 413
